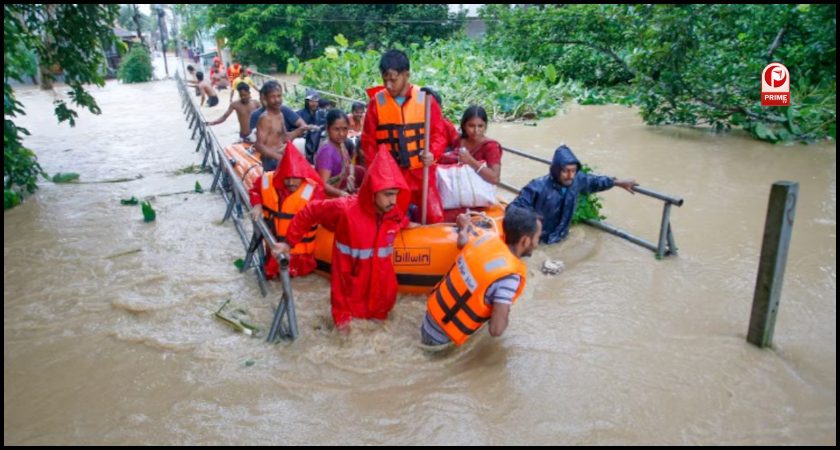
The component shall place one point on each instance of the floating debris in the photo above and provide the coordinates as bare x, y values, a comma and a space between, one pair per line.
148, 212
65, 177
127, 252
553, 267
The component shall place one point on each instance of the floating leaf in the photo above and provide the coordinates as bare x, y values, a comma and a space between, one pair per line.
148, 212
65, 177
198, 188
129, 201
239, 263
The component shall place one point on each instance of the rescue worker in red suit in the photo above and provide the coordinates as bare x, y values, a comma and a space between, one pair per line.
395, 123
280, 194
364, 282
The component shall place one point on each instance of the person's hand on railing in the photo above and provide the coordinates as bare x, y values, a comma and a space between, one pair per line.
627, 185
280, 250
256, 212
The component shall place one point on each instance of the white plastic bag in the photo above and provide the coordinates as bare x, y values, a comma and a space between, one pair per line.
461, 187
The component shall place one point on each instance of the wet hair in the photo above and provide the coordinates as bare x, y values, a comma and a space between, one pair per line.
433, 94
471, 112
335, 114
243, 86
518, 223
394, 60
199, 75
190, 68
358, 106
323, 103
270, 86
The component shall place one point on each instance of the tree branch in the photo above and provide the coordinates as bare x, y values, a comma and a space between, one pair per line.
603, 50
776, 42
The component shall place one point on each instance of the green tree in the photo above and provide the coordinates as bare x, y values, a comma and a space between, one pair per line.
136, 67
268, 35
68, 37
688, 64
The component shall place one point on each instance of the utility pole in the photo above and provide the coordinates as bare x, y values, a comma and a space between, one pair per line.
161, 22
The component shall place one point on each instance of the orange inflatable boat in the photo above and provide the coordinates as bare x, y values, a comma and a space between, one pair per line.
422, 255
245, 161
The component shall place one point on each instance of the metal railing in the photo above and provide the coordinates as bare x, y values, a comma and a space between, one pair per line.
665, 246
227, 182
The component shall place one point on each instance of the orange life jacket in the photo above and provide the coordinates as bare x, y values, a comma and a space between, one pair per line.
233, 72
284, 214
457, 303
402, 130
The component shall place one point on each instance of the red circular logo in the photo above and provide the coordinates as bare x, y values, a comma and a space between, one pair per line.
775, 75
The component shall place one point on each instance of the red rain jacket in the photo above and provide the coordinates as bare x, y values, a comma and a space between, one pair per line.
364, 283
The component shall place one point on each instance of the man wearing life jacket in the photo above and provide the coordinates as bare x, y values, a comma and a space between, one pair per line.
234, 71
280, 195
486, 279
364, 282
395, 123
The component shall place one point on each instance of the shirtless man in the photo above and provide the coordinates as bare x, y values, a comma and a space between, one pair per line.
244, 107
271, 129
207, 91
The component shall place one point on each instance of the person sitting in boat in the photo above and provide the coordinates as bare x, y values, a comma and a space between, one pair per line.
473, 148
364, 282
290, 118
486, 279
272, 133
395, 123
278, 197
555, 195
357, 117
334, 163
310, 107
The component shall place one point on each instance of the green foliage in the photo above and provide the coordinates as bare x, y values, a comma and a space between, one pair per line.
10, 199
127, 20
588, 206
578, 40
195, 20
68, 36
268, 35
688, 64
136, 67
462, 71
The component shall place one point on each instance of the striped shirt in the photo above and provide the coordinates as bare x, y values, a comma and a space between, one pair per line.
501, 291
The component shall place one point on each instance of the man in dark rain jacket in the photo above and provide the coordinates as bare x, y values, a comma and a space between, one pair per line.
555, 195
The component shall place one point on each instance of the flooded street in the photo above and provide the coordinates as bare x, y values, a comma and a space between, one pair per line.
109, 336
